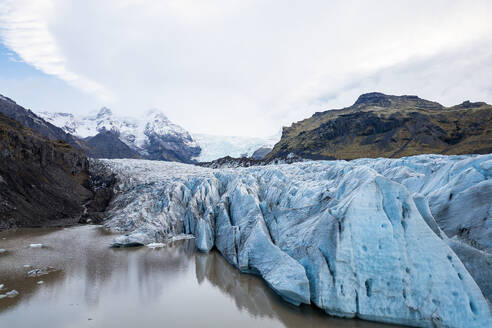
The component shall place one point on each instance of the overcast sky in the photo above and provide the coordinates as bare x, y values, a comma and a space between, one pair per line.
240, 67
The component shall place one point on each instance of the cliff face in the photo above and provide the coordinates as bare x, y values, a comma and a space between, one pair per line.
41, 181
379, 125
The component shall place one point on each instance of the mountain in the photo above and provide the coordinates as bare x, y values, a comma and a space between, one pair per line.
41, 180
261, 152
27, 118
107, 144
215, 146
379, 125
153, 136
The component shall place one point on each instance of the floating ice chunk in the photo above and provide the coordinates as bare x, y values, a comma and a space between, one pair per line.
12, 293
155, 245
40, 272
1, 286
181, 237
27, 265
132, 240
40, 282
36, 245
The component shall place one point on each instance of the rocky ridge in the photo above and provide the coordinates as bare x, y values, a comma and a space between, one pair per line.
29, 119
379, 125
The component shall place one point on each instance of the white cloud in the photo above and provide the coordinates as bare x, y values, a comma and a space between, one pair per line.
25, 30
248, 67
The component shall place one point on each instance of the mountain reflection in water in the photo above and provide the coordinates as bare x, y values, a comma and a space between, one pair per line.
174, 286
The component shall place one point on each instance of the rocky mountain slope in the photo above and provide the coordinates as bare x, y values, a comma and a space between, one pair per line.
358, 239
107, 144
27, 118
153, 136
379, 125
260, 153
41, 181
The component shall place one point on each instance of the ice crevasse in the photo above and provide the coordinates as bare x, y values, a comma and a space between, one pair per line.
357, 239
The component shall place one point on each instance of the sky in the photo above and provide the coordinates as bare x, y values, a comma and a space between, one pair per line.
240, 67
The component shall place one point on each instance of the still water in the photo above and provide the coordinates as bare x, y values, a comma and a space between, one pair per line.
92, 285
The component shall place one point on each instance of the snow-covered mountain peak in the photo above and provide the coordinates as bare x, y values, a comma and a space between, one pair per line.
154, 136
156, 114
104, 112
154, 130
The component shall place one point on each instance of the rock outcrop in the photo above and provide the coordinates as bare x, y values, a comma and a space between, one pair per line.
379, 125
358, 239
45, 182
41, 181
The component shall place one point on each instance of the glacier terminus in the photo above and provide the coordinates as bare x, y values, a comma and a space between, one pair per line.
403, 241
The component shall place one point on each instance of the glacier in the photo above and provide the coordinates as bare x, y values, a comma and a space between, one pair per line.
216, 146
376, 239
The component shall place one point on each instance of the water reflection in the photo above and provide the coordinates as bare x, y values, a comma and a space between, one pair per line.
98, 286
251, 294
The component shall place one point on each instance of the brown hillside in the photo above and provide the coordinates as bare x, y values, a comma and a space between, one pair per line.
379, 125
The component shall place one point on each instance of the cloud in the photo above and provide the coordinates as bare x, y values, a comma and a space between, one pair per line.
248, 67
24, 26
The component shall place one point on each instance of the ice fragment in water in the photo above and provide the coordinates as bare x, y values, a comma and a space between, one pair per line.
36, 245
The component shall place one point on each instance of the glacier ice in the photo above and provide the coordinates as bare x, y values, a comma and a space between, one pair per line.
372, 238
215, 146
155, 245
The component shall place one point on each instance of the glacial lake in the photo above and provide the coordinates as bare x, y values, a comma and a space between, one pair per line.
92, 285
